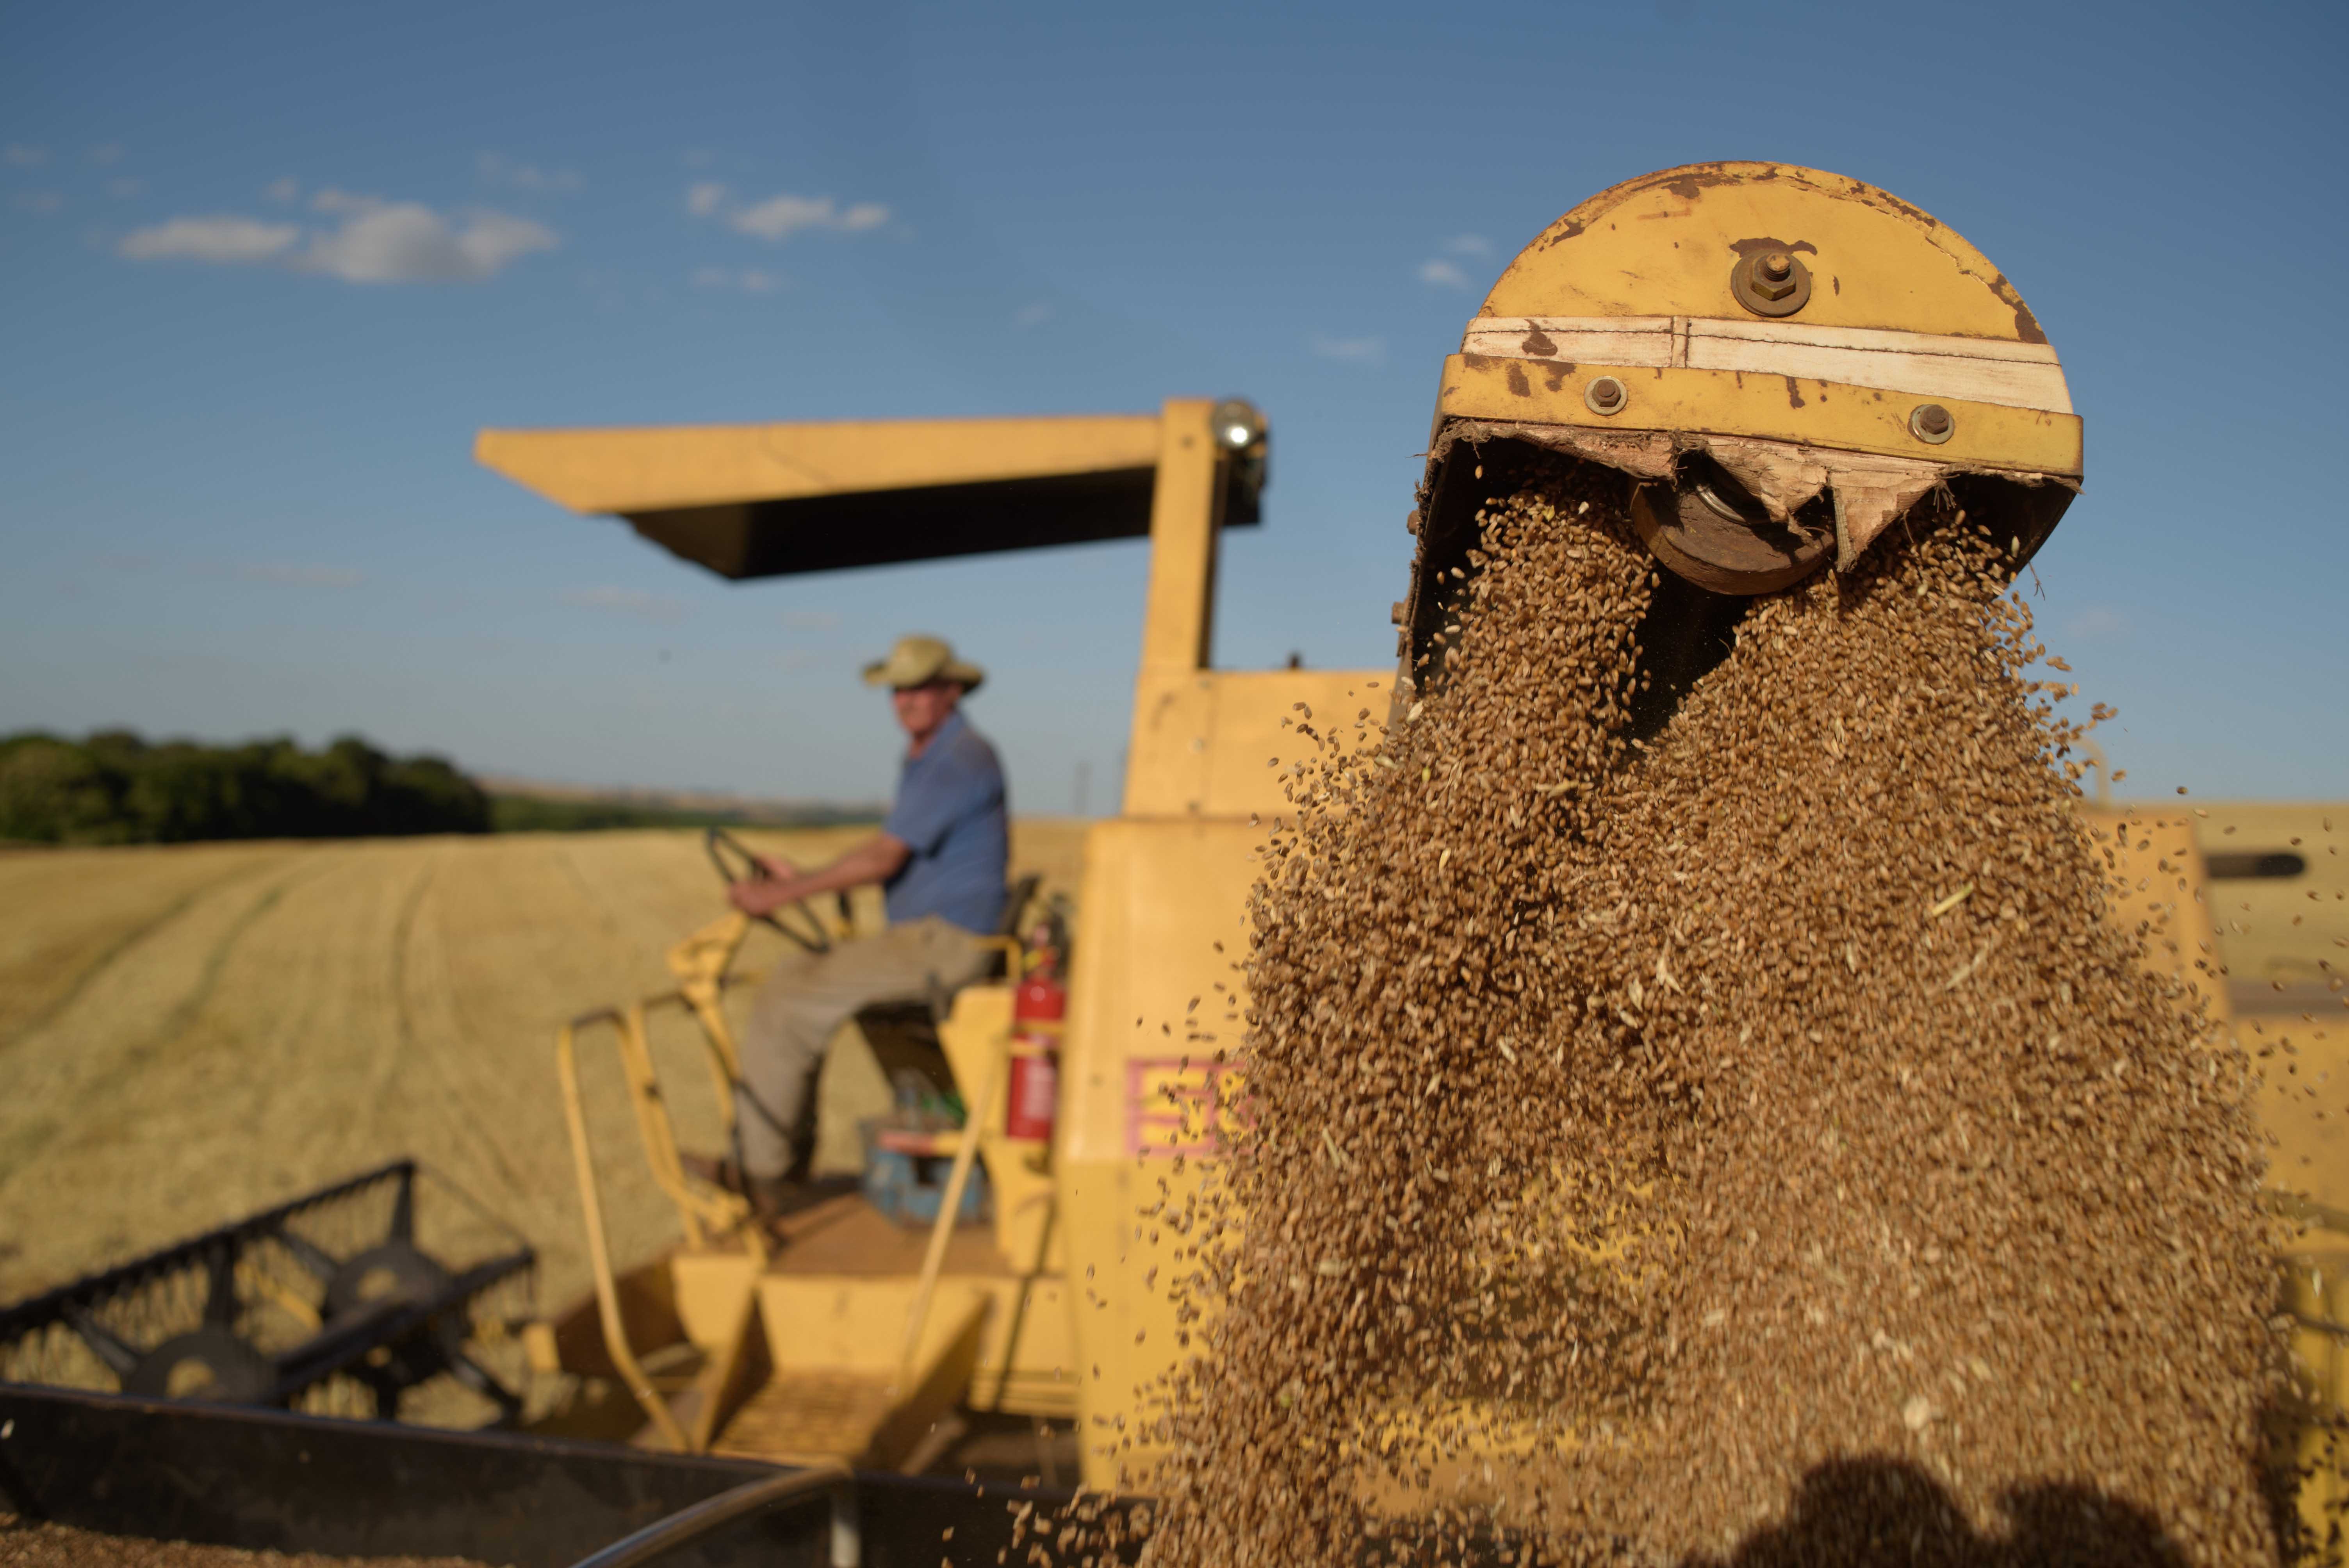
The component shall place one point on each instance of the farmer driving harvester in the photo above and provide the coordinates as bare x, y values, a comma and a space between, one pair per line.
940, 856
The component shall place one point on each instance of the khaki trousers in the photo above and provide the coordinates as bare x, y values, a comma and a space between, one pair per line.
806, 998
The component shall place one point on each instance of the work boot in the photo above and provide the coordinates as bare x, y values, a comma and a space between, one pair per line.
771, 1197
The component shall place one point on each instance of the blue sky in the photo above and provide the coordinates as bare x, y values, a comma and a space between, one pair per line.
268, 267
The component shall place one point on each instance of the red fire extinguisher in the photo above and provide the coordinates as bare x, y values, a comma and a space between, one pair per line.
1038, 1007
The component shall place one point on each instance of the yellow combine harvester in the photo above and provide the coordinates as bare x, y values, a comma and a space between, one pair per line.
853, 1339
1781, 363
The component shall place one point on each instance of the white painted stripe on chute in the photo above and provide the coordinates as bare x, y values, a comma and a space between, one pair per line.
1930, 364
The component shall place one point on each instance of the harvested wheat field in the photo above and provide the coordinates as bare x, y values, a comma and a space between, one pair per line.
189, 1033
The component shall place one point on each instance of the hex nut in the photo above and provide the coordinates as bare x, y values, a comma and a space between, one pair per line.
1605, 395
1931, 423
1772, 283
1774, 275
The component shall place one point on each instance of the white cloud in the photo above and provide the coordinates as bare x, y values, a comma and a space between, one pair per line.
750, 280
224, 239
658, 607
1441, 274
285, 190
1029, 316
407, 242
2097, 622
780, 216
41, 202
811, 620
1469, 245
106, 152
777, 217
23, 157
498, 170
1353, 350
288, 576
126, 188
377, 241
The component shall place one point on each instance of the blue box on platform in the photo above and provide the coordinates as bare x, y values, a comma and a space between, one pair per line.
905, 1175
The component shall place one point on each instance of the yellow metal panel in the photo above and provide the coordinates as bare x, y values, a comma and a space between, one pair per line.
710, 1288
1185, 511
2286, 937
1775, 407
832, 1414
2159, 890
1166, 755
1158, 898
1140, 1086
2304, 1102
645, 470
1249, 734
1664, 244
852, 1323
1203, 741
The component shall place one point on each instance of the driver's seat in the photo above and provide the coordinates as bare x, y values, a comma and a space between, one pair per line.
904, 1035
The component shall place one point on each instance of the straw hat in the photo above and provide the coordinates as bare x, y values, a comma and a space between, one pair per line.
916, 660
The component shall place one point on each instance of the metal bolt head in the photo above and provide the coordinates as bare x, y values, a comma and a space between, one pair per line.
1767, 283
1605, 395
1770, 283
1932, 423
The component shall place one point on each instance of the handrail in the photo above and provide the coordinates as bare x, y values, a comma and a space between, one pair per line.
700, 964
599, 1253
691, 1524
975, 1118
701, 1214
722, 1213
977, 1114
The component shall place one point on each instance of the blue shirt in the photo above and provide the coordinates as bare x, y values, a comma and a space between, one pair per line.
950, 813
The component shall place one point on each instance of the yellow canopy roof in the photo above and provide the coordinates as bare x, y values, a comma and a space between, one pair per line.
760, 500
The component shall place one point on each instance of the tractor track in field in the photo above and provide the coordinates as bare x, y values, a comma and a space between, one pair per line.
115, 951
438, 1058
403, 936
20, 1148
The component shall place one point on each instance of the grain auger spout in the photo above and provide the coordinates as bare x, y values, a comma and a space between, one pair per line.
1784, 366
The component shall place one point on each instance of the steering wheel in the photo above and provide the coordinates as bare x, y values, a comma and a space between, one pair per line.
747, 867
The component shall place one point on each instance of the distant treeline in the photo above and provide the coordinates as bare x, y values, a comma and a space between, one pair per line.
114, 788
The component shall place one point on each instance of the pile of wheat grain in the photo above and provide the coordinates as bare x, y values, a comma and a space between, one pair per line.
1749, 1145
27, 1544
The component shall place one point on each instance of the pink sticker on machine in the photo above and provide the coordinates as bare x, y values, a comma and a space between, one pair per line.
1175, 1105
